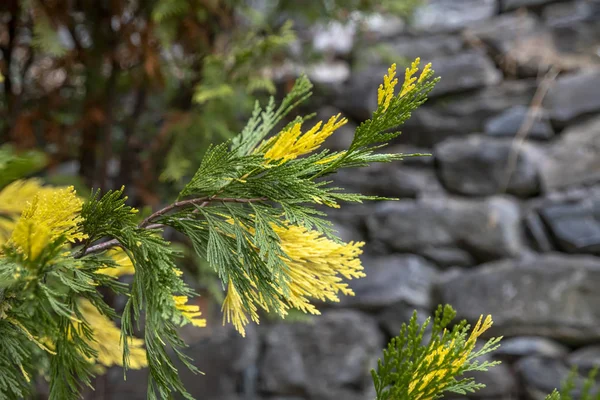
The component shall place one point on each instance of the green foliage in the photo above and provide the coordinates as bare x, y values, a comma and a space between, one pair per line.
14, 165
241, 64
402, 8
46, 37
173, 76
106, 215
40, 301
263, 121
318, 10
18, 352
229, 79
169, 9
241, 67
249, 211
567, 391
155, 281
412, 370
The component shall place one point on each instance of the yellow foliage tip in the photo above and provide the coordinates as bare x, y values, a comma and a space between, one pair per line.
316, 269
190, 312
15, 196
477, 331
317, 265
30, 336
385, 93
331, 158
48, 216
433, 365
25, 374
427, 71
292, 143
107, 341
234, 311
409, 78
124, 265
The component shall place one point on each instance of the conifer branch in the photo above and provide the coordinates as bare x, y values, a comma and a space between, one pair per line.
275, 251
99, 247
200, 202
147, 222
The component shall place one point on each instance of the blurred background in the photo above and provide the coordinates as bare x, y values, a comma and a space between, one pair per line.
503, 218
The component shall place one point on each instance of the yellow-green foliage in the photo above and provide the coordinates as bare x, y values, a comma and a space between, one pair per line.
411, 369
13, 200
49, 217
13, 165
588, 391
249, 211
316, 266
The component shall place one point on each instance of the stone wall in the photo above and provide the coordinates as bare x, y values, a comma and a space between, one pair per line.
502, 219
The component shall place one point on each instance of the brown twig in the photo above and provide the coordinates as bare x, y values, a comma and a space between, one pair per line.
533, 113
147, 223
200, 202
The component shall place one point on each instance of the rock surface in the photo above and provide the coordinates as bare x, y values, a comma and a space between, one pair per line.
585, 358
512, 4
329, 73
334, 38
377, 26
525, 346
461, 115
392, 279
541, 375
480, 166
499, 381
228, 359
519, 42
428, 47
503, 32
393, 180
573, 158
447, 15
574, 226
481, 72
511, 121
328, 357
569, 13
550, 295
574, 95
486, 229
392, 318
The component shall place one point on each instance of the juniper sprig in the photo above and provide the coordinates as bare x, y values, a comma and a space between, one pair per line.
249, 210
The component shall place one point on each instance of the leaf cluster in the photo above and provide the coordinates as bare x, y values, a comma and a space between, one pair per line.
42, 320
573, 387
415, 368
156, 279
232, 210
14, 165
